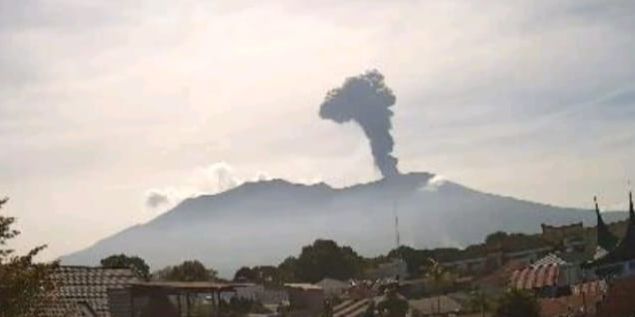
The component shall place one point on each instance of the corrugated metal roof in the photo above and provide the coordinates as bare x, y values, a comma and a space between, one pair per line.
550, 258
192, 286
303, 286
535, 276
351, 308
435, 305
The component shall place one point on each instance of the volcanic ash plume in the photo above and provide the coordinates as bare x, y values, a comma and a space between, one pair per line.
366, 100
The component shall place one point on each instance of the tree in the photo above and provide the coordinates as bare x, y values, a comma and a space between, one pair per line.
122, 261
25, 286
324, 258
245, 274
438, 278
288, 269
479, 302
415, 259
496, 237
517, 303
188, 271
392, 305
265, 274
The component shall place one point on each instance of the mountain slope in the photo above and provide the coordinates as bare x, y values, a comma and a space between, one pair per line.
263, 222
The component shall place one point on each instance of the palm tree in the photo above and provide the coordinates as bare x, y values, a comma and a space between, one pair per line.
439, 278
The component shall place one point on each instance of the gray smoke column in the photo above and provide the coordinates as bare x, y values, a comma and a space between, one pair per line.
366, 100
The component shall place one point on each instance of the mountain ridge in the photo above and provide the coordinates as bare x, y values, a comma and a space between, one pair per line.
263, 222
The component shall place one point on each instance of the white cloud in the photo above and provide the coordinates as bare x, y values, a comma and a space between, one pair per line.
434, 183
205, 180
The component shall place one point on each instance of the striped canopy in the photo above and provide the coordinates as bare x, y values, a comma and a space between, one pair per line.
537, 276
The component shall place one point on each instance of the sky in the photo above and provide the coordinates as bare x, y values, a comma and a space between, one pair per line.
112, 111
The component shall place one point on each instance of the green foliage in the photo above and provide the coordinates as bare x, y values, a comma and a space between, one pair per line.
415, 259
438, 277
479, 302
25, 286
266, 274
121, 261
324, 258
518, 303
288, 269
188, 271
496, 237
393, 306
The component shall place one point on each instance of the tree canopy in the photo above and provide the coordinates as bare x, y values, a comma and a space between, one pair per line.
24, 285
496, 237
265, 274
415, 259
517, 303
188, 271
120, 261
324, 258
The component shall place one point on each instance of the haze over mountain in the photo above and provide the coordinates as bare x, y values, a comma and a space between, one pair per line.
264, 222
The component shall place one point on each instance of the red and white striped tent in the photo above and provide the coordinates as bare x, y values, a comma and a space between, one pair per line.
537, 276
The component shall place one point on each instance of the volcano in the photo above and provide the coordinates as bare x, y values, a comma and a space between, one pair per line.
263, 222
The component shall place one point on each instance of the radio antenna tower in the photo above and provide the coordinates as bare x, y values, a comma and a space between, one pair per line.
397, 237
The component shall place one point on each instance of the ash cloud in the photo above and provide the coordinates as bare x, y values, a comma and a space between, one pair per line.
155, 199
366, 100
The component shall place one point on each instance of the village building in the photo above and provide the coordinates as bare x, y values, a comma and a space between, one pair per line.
394, 269
606, 240
583, 301
618, 261
333, 287
482, 259
442, 305
353, 307
557, 234
305, 299
105, 292
618, 300
84, 291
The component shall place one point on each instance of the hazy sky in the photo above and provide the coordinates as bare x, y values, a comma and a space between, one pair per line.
106, 103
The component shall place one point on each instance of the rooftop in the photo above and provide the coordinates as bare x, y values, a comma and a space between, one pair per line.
82, 288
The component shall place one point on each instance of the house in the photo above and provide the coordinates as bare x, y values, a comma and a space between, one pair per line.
443, 305
352, 307
166, 299
305, 299
605, 239
583, 301
83, 291
568, 265
495, 283
545, 279
618, 261
619, 300
396, 269
558, 234
482, 259
333, 287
